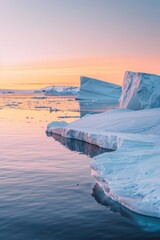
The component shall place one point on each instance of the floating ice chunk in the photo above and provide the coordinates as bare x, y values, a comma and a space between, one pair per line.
55, 126
12, 105
39, 97
91, 88
130, 175
140, 91
148, 224
39, 107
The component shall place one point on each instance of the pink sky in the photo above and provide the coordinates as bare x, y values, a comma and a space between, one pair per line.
56, 41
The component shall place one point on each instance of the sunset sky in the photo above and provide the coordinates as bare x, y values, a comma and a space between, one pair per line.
46, 42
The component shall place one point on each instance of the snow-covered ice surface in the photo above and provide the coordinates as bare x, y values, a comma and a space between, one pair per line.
60, 90
140, 91
148, 224
129, 175
91, 88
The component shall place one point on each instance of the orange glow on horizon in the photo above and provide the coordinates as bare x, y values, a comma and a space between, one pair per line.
68, 72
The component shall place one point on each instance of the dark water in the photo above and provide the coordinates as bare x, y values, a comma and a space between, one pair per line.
47, 191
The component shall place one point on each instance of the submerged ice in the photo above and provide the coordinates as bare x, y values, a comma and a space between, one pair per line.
60, 90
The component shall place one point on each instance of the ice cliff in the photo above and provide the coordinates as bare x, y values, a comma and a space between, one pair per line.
129, 175
140, 91
91, 88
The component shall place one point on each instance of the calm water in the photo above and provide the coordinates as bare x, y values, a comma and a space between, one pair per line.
46, 188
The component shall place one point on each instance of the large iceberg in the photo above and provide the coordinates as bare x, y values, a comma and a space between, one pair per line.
91, 88
129, 175
140, 91
148, 224
60, 91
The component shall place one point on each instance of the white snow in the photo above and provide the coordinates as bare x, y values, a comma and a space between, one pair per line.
91, 88
60, 90
140, 91
129, 175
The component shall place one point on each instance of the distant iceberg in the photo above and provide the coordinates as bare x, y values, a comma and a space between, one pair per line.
140, 91
91, 88
60, 91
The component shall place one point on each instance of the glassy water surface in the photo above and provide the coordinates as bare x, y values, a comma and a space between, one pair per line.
46, 188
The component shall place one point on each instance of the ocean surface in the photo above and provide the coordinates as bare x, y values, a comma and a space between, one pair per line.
46, 188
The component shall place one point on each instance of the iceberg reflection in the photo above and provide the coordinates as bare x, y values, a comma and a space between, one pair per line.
148, 224
96, 106
79, 146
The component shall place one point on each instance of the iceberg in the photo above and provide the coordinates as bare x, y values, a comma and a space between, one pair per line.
128, 175
148, 224
140, 91
91, 88
60, 91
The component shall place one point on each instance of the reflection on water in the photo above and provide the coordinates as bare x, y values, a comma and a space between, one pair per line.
32, 108
55, 106
95, 106
148, 224
34, 102
79, 146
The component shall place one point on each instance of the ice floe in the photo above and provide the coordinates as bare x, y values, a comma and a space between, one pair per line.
60, 90
148, 224
129, 175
